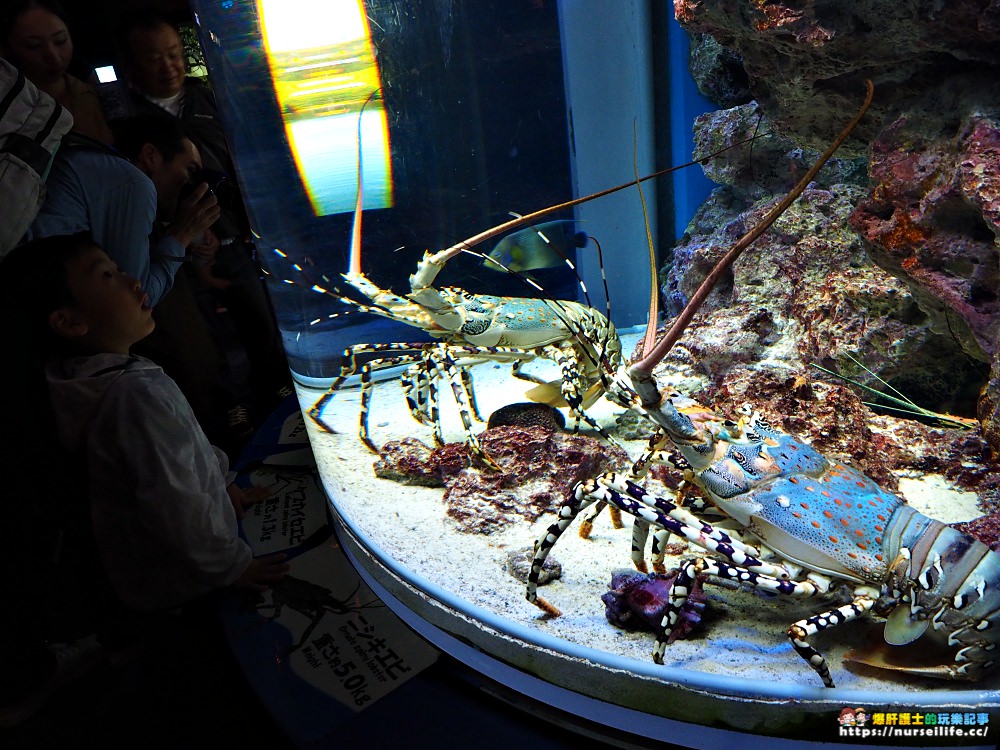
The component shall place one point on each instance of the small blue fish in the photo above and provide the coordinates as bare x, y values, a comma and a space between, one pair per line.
541, 246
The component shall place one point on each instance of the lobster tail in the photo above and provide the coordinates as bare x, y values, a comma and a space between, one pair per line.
949, 587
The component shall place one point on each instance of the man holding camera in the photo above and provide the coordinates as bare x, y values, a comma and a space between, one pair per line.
133, 206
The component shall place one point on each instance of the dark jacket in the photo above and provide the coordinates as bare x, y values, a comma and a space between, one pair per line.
200, 119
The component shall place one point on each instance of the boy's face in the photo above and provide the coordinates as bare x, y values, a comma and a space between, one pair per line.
112, 311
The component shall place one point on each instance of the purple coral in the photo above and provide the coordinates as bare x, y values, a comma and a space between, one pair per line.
636, 601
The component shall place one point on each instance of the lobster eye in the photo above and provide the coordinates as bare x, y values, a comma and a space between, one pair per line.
748, 459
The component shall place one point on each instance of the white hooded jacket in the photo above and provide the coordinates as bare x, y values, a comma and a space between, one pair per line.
164, 525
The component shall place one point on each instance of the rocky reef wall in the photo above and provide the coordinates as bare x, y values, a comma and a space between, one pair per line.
890, 258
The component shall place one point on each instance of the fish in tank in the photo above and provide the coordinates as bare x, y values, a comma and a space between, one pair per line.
544, 246
441, 121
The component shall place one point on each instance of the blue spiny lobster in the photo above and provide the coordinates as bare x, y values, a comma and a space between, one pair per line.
807, 525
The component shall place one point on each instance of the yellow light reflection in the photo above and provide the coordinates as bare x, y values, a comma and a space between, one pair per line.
323, 67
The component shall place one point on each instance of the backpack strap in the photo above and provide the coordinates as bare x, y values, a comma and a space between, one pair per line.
32, 125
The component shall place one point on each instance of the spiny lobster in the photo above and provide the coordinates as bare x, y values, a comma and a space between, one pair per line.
478, 328
806, 525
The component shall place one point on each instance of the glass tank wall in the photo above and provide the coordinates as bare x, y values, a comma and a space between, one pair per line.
464, 114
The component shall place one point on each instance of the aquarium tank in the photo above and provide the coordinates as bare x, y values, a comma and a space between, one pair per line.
462, 116
371, 136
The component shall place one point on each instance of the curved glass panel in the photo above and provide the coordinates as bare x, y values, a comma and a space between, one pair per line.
463, 115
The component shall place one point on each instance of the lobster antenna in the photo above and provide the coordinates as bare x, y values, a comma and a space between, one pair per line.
641, 373
354, 264
654, 296
448, 253
604, 279
899, 395
467, 246
906, 405
760, 119
313, 286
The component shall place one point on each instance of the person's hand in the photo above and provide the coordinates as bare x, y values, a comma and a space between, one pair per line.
196, 213
243, 497
204, 248
203, 251
263, 571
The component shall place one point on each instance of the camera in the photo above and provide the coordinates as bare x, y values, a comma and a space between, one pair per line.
225, 190
228, 196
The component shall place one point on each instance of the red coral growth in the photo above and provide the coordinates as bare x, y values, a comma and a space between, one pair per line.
932, 217
409, 461
903, 234
538, 468
985, 528
979, 171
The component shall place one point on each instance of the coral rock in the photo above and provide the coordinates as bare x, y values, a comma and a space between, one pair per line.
409, 461
519, 566
527, 414
932, 220
805, 61
931, 215
538, 468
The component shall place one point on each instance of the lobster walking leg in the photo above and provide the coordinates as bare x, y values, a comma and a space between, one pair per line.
437, 361
633, 499
799, 631
587, 524
350, 367
470, 394
420, 391
574, 505
864, 599
639, 469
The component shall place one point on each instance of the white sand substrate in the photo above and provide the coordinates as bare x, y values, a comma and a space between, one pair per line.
745, 632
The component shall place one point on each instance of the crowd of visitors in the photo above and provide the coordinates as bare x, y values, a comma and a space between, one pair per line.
113, 301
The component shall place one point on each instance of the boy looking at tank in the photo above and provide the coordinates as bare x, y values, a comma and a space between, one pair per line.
164, 522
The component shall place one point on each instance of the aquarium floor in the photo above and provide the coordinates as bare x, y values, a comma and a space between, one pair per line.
186, 690
202, 701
